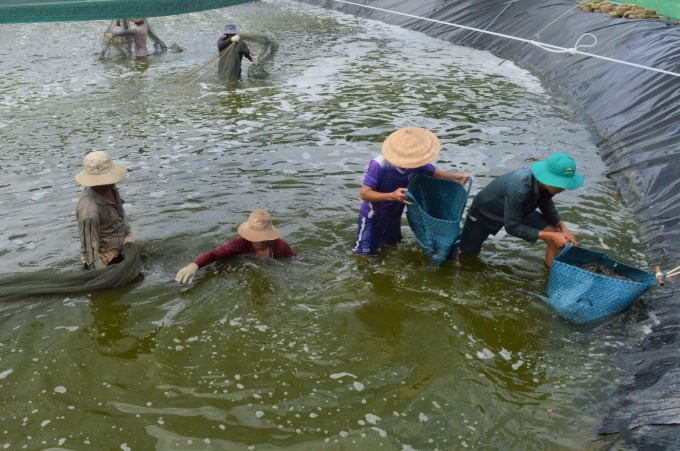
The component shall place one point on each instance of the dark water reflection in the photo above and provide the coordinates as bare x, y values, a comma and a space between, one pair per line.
331, 352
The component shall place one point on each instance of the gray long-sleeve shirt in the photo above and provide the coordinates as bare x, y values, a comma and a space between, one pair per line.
103, 227
507, 200
139, 34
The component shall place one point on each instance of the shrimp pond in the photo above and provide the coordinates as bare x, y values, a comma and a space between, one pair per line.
327, 352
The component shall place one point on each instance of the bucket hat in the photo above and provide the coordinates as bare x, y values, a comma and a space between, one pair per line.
230, 28
411, 147
100, 170
559, 170
259, 227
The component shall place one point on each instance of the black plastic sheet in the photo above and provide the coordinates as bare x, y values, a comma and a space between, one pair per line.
635, 114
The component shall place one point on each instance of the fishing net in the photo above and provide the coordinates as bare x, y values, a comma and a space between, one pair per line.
435, 215
123, 46
59, 282
262, 45
579, 295
28, 11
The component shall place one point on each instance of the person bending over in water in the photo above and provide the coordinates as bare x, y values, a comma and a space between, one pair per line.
511, 201
102, 222
258, 236
139, 34
405, 153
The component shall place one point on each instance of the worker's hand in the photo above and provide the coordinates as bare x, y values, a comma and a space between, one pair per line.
187, 273
108, 35
557, 238
235, 38
461, 178
569, 236
254, 59
129, 239
399, 195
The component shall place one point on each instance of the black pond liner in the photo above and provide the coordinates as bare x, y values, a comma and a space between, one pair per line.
635, 114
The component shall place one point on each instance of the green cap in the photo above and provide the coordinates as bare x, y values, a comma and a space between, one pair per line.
559, 170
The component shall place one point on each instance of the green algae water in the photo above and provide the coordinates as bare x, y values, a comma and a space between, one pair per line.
327, 352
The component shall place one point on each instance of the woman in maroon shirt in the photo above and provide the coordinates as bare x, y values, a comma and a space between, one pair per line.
258, 236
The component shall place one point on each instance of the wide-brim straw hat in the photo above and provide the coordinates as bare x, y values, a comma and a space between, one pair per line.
259, 227
100, 170
559, 170
411, 147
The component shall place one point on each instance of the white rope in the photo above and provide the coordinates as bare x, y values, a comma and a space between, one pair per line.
547, 47
673, 272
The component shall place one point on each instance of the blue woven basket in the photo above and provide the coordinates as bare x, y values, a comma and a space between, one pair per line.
580, 296
435, 215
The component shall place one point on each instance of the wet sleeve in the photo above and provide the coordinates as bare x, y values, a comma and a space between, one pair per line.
550, 212
373, 177
125, 33
283, 250
233, 247
88, 230
128, 229
513, 215
243, 48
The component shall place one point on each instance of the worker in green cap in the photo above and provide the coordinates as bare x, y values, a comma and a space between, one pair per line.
521, 201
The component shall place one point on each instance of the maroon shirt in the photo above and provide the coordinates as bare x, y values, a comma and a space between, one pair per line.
241, 246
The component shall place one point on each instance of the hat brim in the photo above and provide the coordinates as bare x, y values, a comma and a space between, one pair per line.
115, 175
258, 235
427, 152
540, 171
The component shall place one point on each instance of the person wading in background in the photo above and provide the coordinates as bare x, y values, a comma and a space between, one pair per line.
140, 34
258, 236
102, 223
230, 35
511, 201
405, 153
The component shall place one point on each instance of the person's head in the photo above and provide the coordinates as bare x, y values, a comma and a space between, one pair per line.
99, 170
258, 229
557, 173
230, 30
411, 147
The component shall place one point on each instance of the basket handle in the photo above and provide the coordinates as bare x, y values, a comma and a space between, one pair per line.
467, 194
565, 248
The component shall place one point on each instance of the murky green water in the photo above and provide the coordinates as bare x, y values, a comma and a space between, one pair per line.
327, 353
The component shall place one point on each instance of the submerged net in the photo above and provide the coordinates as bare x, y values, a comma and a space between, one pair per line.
123, 46
262, 45
59, 282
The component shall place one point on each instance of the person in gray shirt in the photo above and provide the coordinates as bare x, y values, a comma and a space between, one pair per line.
139, 34
512, 201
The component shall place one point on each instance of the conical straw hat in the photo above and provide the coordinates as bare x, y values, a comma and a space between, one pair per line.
411, 147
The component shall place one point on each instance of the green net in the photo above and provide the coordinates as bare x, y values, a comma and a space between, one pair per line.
668, 8
61, 282
23, 11
261, 45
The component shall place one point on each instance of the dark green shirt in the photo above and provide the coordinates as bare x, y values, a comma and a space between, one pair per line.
509, 199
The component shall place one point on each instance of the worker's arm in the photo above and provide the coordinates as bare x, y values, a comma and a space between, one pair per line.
460, 177
371, 195
88, 230
124, 33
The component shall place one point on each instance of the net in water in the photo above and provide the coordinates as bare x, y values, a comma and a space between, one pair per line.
262, 45
50, 281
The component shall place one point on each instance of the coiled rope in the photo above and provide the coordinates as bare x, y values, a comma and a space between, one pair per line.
542, 45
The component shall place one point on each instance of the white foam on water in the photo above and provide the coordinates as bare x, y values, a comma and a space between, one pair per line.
4, 374
379, 431
372, 419
60, 389
517, 365
339, 375
45, 423
422, 417
358, 386
507, 355
485, 354
68, 328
